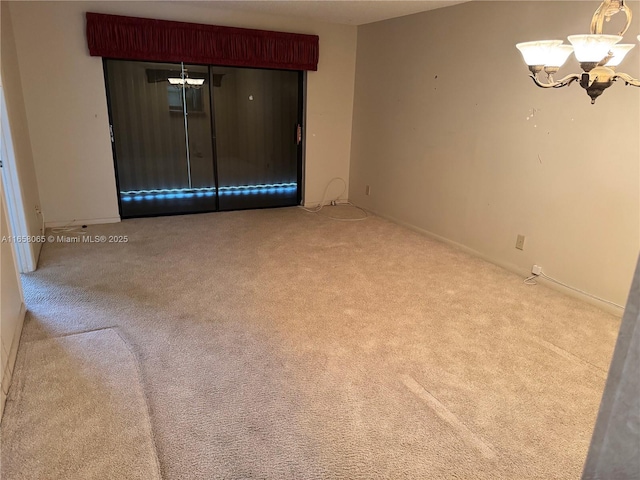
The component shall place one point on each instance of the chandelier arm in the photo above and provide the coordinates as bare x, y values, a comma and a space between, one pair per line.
568, 80
627, 10
628, 79
598, 18
608, 8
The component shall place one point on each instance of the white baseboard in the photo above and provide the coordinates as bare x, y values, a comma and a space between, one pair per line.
90, 221
507, 266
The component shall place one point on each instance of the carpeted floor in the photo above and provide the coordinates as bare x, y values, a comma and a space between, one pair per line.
80, 397
278, 344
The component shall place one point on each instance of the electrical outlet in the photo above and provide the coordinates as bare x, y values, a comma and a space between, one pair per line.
520, 242
367, 190
536, 270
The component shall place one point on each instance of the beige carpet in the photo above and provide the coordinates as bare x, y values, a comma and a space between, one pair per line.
78, 412
278, 344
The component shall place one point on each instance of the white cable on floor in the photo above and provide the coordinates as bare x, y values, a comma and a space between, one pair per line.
347, 204
321, 205
532, 281
334, 203
68, 228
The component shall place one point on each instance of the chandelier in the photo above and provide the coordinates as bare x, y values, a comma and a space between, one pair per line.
599, 55
185, 81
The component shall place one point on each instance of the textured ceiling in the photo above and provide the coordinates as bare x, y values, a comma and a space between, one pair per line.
349, 12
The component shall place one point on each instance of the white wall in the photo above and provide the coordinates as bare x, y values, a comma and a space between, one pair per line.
67, 111
455, 139
21, 141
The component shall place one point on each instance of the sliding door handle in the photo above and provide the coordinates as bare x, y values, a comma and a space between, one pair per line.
298, 134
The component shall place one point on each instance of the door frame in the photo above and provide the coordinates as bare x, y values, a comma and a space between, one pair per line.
302, 119
25, 255
114, 154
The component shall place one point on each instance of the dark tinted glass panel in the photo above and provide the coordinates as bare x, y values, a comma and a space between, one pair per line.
162, 137
256, 115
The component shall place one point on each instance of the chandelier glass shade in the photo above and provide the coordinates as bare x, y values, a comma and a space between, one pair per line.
592, 48
619, 52
557, 56
538, 52
597, 53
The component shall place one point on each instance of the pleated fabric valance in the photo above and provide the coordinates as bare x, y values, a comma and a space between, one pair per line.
131, 38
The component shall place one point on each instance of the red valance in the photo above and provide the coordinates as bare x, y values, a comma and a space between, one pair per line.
130, 38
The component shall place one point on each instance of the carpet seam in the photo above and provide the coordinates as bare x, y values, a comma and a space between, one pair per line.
71, 334
464, 432
569, 356
146, 402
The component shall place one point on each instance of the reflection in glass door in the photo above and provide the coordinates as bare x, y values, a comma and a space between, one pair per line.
161, 133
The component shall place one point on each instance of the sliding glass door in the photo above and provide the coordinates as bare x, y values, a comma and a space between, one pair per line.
256, 125
161, 133
173, 156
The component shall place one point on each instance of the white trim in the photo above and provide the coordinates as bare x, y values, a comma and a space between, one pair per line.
25, 254
89, 221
